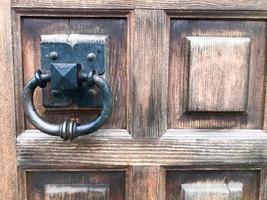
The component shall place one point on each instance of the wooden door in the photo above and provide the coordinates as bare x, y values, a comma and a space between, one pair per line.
189, 102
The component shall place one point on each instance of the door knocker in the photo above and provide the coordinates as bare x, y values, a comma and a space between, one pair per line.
72, 64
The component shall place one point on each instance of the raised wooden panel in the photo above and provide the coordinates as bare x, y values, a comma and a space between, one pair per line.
114, 28
213, 184
218, 73
212, 191
74, 192
73, 185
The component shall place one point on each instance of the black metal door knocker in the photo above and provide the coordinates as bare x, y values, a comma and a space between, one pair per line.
72, 64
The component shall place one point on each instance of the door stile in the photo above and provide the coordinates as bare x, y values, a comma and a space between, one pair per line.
149, 74
8, 174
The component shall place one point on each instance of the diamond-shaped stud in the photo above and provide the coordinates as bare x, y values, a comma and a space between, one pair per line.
64, 76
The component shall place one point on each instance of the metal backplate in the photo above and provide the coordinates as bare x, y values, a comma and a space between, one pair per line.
88, 51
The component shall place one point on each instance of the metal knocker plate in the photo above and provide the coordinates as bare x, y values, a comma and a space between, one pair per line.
68, 77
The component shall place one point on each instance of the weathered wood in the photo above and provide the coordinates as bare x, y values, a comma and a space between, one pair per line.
8, 180
139, 76
179, 80
73, 185
117, 148
116, 29
263, 188
148, 4
148, 74
212, 184
147, 181
76, 191
218, 73
211, 191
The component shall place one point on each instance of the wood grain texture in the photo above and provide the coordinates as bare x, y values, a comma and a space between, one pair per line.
117, 148
115, 28
8, 180
145, 182
148, 74
143, 77
148, 4
212, 184
210, 191
74, 185
76, 191
178, 117
263, 188
218, 73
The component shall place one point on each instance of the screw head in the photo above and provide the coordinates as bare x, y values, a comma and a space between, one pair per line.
53, 55
91, 57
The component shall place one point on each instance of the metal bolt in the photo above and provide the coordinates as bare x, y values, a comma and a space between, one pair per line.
92, 92
91, 57
53, 55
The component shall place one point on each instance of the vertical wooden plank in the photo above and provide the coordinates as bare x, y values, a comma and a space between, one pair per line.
148, 74
8, 181
263, 188
146, 182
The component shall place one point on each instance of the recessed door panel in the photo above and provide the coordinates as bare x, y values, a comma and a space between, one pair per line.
212, 184
216, 73
74, 185
115, 29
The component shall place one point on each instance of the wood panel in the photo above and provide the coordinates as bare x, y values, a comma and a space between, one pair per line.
8, 180
212, 184
148, 4
115, 28
218, 73
113, 147
76, 191
180, 82
148, 75
210, 191
88, 185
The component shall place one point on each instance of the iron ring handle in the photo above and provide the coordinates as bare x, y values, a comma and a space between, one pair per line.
67, 130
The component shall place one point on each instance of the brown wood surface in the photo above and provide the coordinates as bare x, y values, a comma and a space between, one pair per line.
147, 180
116, 29
148, 4
148, 75
218, 73
210, 191
76, 191
137, 156
8, 175
117, 148
263, 189
181, 85
249, 179
113, 183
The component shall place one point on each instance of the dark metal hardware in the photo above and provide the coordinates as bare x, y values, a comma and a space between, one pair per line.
88, 51
69, 129
75, 65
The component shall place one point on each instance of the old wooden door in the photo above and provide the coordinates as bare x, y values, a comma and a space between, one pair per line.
189, 102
